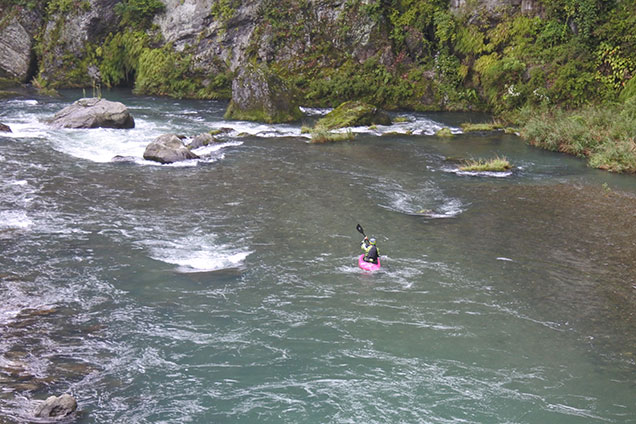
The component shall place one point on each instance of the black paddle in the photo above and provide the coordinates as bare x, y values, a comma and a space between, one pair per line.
360, 230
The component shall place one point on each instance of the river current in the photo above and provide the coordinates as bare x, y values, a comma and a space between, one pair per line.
226, 289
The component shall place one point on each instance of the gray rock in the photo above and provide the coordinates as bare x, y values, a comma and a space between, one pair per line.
201, 140
260, 95
168, 148
4, 128
93, 113
56, 407
123, 159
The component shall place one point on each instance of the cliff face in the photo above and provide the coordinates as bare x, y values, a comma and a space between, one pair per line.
429, 54
216, 35
67, 31
18, 28
266, 30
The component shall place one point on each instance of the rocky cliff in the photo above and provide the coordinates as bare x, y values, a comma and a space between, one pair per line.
429, 54
18, 29
227, 34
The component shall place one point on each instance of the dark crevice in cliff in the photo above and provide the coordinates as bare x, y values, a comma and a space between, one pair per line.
33, 68
129, 80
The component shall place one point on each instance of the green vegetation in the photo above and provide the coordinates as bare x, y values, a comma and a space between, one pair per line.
496, 164
324, 136
444, 132
127, 58
138, 14
164, 72
29, 4
224, 10
605, 135
484, 126
119, 57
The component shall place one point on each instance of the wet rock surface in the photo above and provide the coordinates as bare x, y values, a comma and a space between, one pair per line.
56, 407
168, 148
93, 113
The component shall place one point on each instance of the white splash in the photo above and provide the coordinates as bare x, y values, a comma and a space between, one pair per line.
197, 253
14, 220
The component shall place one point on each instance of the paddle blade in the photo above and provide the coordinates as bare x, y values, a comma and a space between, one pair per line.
360, 230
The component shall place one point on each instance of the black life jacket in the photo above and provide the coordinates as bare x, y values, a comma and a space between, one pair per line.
372, 256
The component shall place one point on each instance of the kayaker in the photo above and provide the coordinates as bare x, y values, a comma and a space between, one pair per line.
371, 251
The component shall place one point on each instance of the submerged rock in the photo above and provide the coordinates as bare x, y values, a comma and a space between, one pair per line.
168, 148
353, 114
93, 113
259, 95
55, 406
4, 128
123, 159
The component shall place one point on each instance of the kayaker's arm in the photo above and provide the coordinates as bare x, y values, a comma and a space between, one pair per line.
365, 245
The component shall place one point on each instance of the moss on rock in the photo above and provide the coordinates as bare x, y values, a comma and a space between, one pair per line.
353, 114
444, 132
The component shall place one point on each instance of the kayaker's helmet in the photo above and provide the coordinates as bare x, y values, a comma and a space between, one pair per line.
372, 241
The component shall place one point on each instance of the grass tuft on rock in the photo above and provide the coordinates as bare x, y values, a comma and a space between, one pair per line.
444, 132
496, 164
323, 136
484, 126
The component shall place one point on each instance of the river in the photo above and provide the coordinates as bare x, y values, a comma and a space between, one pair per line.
226, 290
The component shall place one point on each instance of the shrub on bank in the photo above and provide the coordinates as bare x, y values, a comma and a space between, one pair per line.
605, 135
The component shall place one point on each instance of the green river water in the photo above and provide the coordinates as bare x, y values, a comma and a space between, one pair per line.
226, 290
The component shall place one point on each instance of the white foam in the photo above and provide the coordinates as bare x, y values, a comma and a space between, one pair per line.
412, 125
101, 145
213, 148
26, 102
29, 129
197, 254
425, 200
315, 111
492, 174
257, 129
14, 220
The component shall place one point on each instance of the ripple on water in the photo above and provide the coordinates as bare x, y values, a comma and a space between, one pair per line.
426, 199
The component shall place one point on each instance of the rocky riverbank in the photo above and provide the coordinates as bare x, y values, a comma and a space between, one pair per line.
492, 55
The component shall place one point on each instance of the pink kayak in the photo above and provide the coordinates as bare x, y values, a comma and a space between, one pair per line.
368, 266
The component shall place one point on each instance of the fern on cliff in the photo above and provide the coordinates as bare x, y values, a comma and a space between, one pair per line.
138, 14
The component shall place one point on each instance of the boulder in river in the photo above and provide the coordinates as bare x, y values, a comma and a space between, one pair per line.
353, 114
56, 407
260, 95
168, 148
4, 128
93, 113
